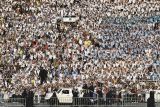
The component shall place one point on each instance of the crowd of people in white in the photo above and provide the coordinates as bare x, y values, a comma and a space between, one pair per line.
112, 43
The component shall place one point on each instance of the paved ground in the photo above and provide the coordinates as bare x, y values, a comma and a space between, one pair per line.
46, 105
128, 105
11, 105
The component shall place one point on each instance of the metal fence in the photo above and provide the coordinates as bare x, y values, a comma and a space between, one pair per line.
93, 102
78, 102
13, 102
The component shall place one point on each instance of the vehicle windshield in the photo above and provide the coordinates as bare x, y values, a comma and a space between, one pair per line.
59, 91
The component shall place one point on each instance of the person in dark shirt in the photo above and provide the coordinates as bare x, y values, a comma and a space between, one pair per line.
86, 98
24, 93
75, 92
75, 96
100, 95
30, 98
109, 97
53, 100
151, 100
43, 75
91, 88
85, 87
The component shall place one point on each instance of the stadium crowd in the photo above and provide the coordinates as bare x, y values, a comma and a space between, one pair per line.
37, 52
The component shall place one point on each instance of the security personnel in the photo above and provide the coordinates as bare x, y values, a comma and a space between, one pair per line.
151, 100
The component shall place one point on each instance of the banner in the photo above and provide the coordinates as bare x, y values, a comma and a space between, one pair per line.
70, 19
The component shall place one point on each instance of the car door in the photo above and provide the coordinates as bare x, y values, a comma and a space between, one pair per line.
65, 96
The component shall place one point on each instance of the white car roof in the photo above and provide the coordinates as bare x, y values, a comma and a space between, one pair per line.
66, 88
79, 88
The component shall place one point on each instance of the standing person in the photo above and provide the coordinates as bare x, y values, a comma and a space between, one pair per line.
27, 98
53, 99
85, 87
75, 96
24, 95
43, 75
91, 89
1, 96
151, 100
100, 95
31, 96
108, 96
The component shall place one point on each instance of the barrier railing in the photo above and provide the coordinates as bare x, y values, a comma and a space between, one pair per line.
78, 102
67, 101
13, 102
92, 102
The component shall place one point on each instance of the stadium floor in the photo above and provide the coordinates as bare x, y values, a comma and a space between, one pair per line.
45, 105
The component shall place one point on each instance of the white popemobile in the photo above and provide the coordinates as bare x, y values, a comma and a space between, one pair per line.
64, 95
